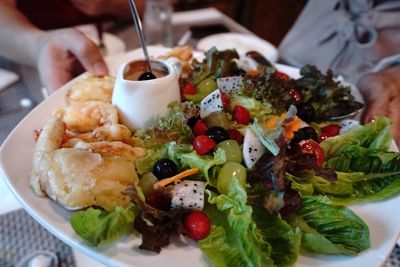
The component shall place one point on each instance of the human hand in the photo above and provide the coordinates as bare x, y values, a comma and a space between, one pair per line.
381, 92
65, 53
101, 7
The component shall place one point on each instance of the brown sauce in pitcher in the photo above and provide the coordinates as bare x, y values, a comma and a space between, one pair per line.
137, 68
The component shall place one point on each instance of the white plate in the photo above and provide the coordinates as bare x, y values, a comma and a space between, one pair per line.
241, 42
16, 163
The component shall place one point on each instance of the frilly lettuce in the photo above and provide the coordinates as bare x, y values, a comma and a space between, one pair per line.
255, 107
171, 150
171, 126
204, 163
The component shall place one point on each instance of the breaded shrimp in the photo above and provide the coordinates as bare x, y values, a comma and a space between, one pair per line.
84, 117
91, 88
108, 132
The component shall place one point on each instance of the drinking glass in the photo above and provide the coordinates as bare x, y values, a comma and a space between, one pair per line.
157, 22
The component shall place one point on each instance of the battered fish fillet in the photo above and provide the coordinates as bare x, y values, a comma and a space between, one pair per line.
86, 116
91, 88
90, 174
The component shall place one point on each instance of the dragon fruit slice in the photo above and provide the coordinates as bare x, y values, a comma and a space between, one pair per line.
211, 103
246, 63
253, 149
346, 125
187, 194
230, 84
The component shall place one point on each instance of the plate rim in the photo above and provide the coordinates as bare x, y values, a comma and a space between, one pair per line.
273, 48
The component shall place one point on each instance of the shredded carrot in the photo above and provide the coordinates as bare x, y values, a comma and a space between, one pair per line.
271, 122
292, 127
179, 176
253, 72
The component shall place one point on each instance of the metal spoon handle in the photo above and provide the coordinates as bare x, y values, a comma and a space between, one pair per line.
139, 30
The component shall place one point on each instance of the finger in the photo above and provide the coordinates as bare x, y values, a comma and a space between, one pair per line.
86, 52
375, 108
395, 118
90, 8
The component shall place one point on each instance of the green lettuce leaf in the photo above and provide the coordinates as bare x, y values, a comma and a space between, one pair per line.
216, 63
255, 107
170, 150
204, 163
330, 229
99, 227
284, 240
234, 239
374, 135
372, 174
270, 136
171, 126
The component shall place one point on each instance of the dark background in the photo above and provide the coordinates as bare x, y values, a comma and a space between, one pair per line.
269, 19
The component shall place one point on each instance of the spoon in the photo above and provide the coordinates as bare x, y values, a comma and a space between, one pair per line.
342, 112
138, 25
260, 59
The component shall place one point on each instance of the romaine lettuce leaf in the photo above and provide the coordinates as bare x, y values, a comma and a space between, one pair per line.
374, 135
234, 239
98, 226
243, 235
373, 174
330, 229
284, 240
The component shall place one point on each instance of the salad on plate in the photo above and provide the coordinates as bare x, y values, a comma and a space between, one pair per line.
249, 164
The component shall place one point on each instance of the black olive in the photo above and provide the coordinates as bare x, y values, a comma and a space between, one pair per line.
164, 168
304, 134
192, 121
218, 134
238, 72
306, 112
147, 76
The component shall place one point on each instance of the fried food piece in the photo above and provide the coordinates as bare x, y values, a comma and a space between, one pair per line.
90, 174
50, 139
86, 116
91, 88
108, 132
184, 54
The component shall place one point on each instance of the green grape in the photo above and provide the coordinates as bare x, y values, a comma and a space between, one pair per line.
206, 86
217, 118
228, 171
232, 150
146, 183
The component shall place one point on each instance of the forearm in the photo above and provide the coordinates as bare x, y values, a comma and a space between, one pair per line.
19, 39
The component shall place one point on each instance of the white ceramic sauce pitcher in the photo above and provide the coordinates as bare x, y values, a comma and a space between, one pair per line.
140, 103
